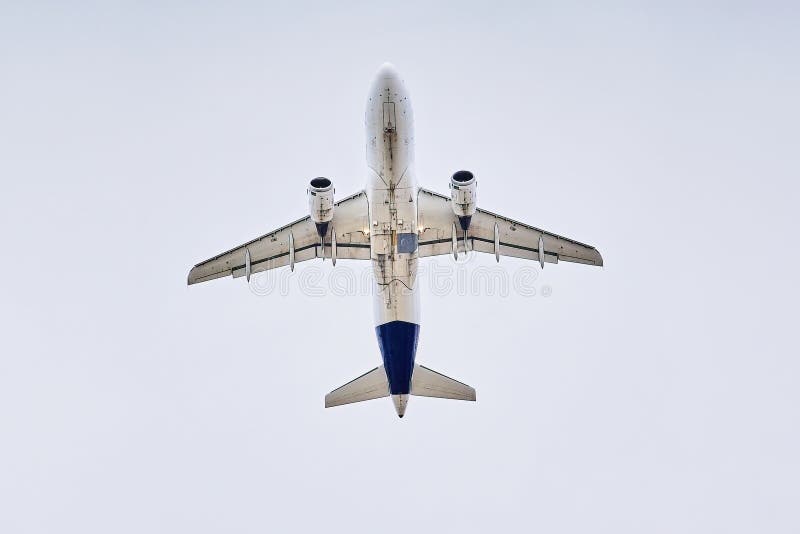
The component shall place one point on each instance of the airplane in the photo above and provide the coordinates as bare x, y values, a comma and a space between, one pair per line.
392, 223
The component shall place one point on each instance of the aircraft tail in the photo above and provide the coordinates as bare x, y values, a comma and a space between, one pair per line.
375, 384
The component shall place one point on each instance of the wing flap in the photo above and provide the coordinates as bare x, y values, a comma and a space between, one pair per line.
512, 251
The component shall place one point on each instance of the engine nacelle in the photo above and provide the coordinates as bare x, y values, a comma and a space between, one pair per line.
464, 194
320, 203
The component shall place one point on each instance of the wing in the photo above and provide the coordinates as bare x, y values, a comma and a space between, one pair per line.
494, 234
350, 219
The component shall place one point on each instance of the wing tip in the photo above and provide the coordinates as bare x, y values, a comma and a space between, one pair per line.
599, 260
191, 278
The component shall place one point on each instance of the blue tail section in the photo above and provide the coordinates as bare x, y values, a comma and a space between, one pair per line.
398, 343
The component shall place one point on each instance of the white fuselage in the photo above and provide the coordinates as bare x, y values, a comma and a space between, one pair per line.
392, 193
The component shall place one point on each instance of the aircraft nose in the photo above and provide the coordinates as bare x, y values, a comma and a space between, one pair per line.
387, 71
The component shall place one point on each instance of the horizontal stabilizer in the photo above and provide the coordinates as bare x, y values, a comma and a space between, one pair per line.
371, 385
428, 383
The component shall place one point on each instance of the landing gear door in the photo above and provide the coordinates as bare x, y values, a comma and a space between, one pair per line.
389, 117
381, 244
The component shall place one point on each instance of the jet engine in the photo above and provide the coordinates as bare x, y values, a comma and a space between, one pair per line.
463, 192
320, 203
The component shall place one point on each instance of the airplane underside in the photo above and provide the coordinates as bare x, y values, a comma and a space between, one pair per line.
392, 223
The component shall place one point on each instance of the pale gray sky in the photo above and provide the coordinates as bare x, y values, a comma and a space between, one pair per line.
658, 394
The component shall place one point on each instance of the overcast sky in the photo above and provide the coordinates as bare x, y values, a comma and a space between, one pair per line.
658, 394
